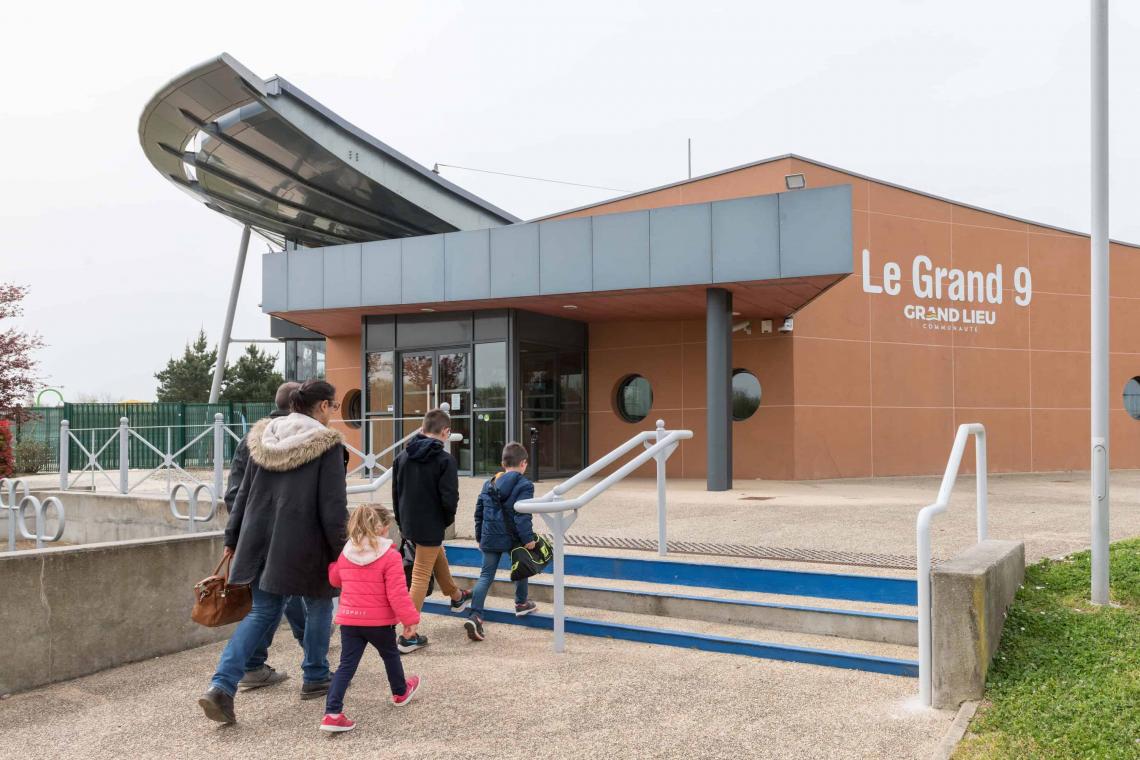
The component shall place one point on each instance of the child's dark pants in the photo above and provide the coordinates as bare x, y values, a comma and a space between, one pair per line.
354, 639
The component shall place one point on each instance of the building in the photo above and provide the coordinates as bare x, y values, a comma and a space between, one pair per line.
804, 321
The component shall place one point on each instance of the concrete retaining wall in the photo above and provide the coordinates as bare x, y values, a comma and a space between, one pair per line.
969, 598
98, 517
70, 611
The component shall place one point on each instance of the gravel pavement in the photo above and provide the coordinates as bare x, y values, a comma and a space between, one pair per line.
508, 697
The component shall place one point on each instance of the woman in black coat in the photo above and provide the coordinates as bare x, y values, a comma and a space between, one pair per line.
287, 525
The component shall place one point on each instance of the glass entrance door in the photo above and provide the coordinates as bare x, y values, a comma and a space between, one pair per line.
431, 378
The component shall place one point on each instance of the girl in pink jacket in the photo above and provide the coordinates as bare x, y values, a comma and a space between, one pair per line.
374, 597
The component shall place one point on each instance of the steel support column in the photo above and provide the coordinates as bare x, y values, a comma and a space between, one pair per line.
224, 344
1099, 300
718, 377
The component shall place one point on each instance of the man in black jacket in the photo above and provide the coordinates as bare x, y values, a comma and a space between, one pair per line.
258, 672
425, 494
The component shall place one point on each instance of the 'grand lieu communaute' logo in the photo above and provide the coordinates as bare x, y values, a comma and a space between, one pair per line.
959, 286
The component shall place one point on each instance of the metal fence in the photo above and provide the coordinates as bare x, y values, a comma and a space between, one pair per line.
167, 426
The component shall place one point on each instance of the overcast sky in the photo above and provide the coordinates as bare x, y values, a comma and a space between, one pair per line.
978, 101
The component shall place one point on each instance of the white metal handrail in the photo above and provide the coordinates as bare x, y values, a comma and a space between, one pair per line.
386, 476
370, 461
560, 514
922, 535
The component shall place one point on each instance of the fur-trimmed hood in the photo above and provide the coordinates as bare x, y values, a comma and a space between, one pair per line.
280, 444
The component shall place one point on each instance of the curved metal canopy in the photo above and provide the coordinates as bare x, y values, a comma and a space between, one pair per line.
268, 155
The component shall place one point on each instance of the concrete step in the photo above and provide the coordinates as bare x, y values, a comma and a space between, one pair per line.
708, 636
800, 583
672, 602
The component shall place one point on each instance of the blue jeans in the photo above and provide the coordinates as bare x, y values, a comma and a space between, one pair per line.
295, 615
487, 577
251, 631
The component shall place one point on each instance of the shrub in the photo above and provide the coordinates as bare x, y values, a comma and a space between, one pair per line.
5, 449
31, 456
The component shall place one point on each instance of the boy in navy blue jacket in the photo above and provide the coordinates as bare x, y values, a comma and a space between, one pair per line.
497, 526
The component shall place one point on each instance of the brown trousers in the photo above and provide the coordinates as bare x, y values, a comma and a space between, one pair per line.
430, 559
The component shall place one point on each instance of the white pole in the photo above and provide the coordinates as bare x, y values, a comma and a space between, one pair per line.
1099, 301
64, 450
661, 541
559, 587
982, 485
219, 456
224, 344
124, 463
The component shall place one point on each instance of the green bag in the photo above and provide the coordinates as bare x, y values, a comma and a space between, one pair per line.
527, 562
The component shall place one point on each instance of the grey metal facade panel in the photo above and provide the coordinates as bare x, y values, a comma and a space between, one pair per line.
467, 265
621, 251
815, 231
274, 282
514, 260
381, 268
342, 276
794, 234
306, 279
565, 261
680, 245
422, 269
746, 239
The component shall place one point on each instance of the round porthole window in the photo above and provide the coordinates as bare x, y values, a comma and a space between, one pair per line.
1132, 397
745, 394
634, 398
350, 408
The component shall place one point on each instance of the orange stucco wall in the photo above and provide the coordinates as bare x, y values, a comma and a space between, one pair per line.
342, 369
860, 389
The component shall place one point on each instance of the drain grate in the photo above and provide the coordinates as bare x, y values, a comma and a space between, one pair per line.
790, 554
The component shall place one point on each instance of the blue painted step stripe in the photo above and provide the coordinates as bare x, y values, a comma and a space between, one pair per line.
855, 588
712, 599
700, 641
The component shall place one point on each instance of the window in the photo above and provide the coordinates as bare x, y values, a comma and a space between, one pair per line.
490, 375
304, 360
634, 398
745, 394
1132, 397
350, 408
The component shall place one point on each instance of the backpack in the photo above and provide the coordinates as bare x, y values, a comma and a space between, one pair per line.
524, 562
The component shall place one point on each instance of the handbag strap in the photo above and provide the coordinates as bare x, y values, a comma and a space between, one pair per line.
223, 561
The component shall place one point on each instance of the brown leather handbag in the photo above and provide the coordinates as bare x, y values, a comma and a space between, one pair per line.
217, 602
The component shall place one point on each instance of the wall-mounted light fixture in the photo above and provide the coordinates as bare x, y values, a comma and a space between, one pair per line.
795, 181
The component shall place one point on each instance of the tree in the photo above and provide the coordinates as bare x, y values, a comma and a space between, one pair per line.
188, 379
253, 377
17, 367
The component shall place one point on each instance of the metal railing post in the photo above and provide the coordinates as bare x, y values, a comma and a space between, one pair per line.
219, 455
124, 456
982, 484
661, 541
166, 460
64, 450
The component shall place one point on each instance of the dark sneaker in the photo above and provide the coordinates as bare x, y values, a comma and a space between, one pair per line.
524, 609
263, 676
463, 603
407, 646
474, 626
314, 689
413, 683
218, 705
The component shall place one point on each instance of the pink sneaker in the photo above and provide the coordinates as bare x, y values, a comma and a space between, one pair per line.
413, 683
337, 723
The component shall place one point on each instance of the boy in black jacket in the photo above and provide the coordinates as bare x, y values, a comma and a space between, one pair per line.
425, 493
